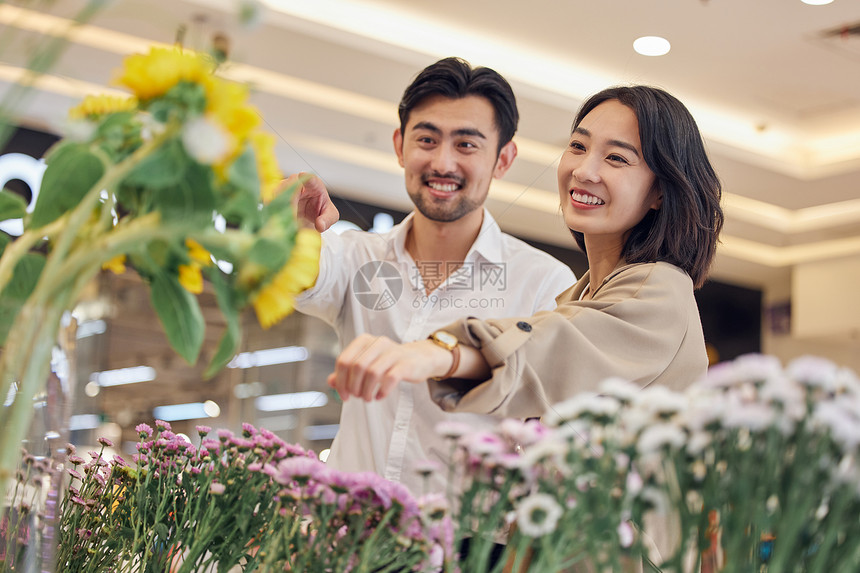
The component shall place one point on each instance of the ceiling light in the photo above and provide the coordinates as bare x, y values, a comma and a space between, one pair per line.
90, 328
816, 2
652, 46
292, 401
190, 411
269, 356
84, 422
123, 376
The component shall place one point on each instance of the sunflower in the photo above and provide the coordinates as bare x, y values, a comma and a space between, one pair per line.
191, 278
197, 253
277, 299
267, 164
96, 105
116, 265
227, 103
153, 74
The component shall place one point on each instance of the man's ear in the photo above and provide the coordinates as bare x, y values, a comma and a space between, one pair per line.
398, 145
506, 158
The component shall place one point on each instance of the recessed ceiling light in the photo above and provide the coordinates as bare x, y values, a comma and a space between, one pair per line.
816, 2
652, 46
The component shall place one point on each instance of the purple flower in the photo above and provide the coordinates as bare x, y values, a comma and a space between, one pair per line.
203, 430
242, 443
71, 449
119, 461
76, 460
248, 430
162, 425
105, 442
224, 434
144, 430
75, 474
216, 488
483, 444
300, 469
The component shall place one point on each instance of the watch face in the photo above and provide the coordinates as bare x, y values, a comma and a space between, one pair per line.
446, 338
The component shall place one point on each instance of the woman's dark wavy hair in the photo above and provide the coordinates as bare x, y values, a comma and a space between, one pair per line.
455, 78
686, 228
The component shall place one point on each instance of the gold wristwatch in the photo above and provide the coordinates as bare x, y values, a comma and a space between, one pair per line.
449, 342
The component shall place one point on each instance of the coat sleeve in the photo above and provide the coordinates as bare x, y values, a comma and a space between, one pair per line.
633, 329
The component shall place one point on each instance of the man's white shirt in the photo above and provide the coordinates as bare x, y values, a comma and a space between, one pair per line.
369, 283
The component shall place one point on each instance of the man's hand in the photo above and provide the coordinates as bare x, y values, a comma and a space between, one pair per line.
370, 366
313, 204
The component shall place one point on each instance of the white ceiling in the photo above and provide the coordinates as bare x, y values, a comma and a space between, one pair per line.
777, 99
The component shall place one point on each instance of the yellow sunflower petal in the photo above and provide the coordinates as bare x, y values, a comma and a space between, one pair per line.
96, 105
277, 299
153, 74
115, 265
191, 278
197, 253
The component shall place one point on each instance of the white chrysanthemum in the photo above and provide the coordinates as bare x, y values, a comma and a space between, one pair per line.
661, 401
753, 416
538, 514
626, 534
844, 426
582, 403
434, 506
698, 442
521, 432
787, 393
847, 382
549, 448
452, 430
703, 411
659, 436
753, 368
205, 140
619, 388
483, 444
814, 372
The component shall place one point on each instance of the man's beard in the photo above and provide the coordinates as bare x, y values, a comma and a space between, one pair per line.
443, 211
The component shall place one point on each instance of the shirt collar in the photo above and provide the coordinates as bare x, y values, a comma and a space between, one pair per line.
488, 244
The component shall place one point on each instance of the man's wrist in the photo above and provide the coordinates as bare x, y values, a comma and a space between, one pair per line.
448, 342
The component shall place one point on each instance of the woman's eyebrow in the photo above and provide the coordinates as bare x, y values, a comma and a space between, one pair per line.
614, 142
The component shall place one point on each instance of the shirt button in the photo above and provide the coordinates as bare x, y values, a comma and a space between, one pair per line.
524, 326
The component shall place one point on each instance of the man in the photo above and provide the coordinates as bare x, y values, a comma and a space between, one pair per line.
446, 260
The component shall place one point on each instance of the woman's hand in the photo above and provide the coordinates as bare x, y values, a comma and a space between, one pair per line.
370, 366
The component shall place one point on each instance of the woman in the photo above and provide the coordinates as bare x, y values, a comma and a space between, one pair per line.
642, 200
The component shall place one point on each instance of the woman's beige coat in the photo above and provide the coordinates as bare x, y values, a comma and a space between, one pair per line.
641, 324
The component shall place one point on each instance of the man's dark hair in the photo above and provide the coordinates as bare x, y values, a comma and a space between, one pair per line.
686, 228
454, 78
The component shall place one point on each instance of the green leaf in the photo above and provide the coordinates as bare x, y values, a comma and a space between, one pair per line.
191, 200
4, 241
72, 171
242, 210
180, 315
232, 337
271, 254
243, 173
12, 205
164, 167
18, 289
